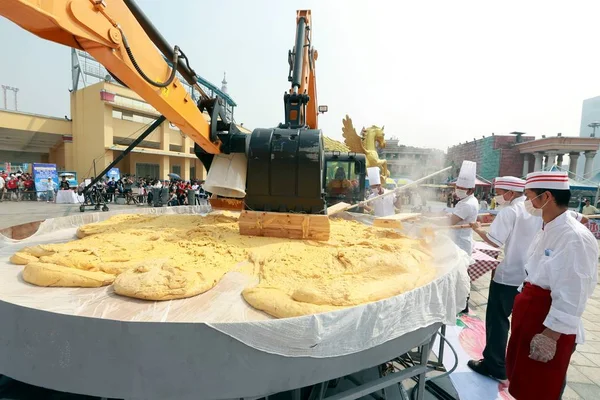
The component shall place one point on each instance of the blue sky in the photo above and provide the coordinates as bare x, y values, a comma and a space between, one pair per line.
435, 73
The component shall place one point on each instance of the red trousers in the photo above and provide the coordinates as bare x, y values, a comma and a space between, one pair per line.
529, 379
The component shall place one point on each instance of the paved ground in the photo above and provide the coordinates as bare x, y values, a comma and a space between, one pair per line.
583, 380
15, 213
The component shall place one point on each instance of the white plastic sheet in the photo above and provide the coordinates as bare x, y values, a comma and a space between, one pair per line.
324, 335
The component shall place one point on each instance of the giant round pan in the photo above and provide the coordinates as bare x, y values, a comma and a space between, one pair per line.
213, 346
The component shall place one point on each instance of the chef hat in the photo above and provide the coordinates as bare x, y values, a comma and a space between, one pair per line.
509, 183
466, 177
547, 180
373, 174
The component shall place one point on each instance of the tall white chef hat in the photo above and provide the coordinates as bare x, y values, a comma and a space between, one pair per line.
466, 176
548, 180
509, 183
374, 177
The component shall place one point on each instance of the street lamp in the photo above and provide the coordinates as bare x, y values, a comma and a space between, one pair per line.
594, 125
14, 90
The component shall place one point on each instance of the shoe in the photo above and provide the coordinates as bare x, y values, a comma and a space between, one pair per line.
482, 369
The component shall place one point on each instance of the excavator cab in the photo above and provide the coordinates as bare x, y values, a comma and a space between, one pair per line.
344, 178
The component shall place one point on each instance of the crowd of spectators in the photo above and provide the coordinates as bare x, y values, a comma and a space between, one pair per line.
18, 186
140, 190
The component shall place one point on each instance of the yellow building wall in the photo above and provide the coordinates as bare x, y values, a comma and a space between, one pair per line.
94, 128
128, 129
91, 135
57, 156
34, 123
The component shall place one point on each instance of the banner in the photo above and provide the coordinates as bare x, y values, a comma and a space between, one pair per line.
41, 173
594, 227
114, 173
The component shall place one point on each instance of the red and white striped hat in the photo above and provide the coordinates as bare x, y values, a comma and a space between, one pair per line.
509, 183
548, 180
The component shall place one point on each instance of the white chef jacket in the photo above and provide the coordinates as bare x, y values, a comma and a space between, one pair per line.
514, 228
563, 258
466, 210
384, 206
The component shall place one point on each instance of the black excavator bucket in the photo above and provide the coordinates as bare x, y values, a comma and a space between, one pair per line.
285, 168
285, 171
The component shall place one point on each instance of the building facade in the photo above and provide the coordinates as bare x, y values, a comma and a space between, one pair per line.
590, 127
411, 162
496, 155
552, 151
105, 119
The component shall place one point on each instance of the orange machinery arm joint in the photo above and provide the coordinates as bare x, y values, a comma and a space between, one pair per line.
102, 29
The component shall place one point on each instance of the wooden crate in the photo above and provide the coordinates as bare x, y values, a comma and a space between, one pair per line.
227, 204
284, 225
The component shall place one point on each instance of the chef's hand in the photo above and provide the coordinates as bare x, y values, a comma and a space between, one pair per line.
476, 226
362, 204
542, 348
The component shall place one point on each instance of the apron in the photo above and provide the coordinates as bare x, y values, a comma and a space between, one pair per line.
529, 379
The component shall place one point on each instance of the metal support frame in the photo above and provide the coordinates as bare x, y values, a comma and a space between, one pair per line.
384, 383
136, 142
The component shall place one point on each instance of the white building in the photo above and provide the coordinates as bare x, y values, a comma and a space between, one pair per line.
590, 114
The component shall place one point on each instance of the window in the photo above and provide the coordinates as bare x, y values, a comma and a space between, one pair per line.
176, 169
147, 170
192, 172
132, 116
133, 103
341, 180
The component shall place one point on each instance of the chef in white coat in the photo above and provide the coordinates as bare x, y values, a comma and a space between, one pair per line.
561, 274
466, 209
513, 229
384, 206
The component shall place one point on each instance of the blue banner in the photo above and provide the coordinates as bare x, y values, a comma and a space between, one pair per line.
41, 173
114, 173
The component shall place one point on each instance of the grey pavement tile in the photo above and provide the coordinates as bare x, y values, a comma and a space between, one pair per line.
477, 298
586, 391
570, 394
593, 373
595, 318
593, 336
592, 309
580, 359
593, 357
574, 375
591, 326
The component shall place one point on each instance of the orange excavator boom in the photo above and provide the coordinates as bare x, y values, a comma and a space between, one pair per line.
112, 33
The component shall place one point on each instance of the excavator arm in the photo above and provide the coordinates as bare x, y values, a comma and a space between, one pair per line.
120, 37
277, 169
301, 106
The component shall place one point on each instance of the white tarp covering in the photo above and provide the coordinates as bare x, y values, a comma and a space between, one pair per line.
323, 335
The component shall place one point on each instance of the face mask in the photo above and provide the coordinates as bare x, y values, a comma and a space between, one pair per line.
460, 193
499, 199
536, 212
